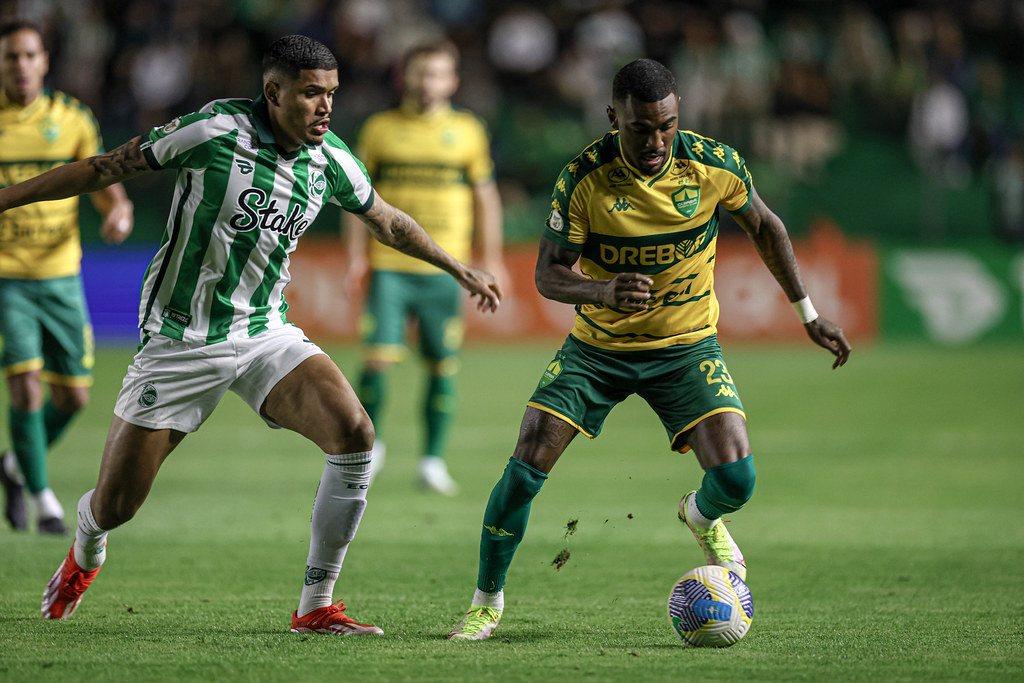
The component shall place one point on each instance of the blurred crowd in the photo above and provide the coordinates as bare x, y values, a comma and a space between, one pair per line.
789, 83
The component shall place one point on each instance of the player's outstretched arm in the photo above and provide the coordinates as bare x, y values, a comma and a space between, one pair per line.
79, 177
396, 229
769, 235
556, 280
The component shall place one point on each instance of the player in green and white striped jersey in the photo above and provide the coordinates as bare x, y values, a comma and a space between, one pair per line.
251, 176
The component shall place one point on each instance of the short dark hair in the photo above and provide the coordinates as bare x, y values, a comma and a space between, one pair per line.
14, 25
292, 54
441, 46
645, 79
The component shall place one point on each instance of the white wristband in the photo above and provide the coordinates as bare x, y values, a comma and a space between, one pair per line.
805, 310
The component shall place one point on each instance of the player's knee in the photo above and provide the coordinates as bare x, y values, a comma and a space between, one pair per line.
70, 402
112, 510
732, 483
354, 435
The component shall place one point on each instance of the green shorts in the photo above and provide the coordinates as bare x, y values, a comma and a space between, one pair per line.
44, 325
433, 301
683, 384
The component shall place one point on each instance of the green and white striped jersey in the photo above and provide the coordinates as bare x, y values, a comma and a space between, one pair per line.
240, 204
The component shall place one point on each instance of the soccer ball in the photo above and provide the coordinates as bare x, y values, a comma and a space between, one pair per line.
710, 607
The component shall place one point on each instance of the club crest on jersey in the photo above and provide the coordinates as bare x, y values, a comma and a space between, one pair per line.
258, 210
171, 127
555, 221
551, 372
49, 129
686, 200
317, 184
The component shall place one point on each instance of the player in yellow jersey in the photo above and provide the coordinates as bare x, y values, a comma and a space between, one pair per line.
637, 210
433, 161
44, 323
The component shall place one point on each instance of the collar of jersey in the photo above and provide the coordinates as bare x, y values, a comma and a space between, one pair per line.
29, 109
664, 169
261, 119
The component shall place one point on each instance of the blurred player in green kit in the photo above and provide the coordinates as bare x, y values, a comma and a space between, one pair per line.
44, 323
433, 160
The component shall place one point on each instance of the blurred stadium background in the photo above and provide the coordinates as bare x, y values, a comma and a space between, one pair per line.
888, 135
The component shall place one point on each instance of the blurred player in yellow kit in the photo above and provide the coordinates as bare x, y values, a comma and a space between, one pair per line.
44, 323
433, 161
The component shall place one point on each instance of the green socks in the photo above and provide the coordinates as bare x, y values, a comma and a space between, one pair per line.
371, 394
505, 518
725, 488
55, 422
439, 413
28, 440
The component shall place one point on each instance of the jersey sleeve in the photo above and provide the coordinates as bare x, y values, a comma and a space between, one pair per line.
348, 178
90, 142
738, 190
568, 224
480, 168
185, 142
366, 144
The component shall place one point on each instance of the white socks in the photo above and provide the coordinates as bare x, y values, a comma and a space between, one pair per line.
493, 600
46, 504
694, 514
90, 540
340, 501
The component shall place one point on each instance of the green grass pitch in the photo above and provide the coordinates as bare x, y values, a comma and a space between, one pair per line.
885, 539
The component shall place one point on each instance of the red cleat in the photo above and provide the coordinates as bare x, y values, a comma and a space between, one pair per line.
65, 589
331, 620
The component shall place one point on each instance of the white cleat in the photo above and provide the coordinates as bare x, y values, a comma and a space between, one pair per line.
434, 476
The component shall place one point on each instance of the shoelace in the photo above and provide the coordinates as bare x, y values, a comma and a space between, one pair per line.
716, 540
479, 618
76, 582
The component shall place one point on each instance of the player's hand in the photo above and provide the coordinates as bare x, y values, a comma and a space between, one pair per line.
482, 284
629, 291
827, 334
118, 223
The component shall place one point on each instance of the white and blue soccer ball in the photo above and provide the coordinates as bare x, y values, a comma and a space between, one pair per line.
710, 607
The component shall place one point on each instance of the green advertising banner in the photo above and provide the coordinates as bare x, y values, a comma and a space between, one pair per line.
953, 296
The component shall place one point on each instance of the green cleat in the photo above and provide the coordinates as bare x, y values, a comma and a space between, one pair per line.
718, 546
479, 624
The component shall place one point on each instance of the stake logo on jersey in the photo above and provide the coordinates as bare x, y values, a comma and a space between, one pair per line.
663, 226
240, 204
257, 210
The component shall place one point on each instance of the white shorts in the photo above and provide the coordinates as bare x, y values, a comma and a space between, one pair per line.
176, 385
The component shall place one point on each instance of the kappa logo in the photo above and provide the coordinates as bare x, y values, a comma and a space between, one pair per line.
621, 204
148, 396
244, 166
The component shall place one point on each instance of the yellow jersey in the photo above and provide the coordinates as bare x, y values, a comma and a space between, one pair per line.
664, 226
427, 165
41, 241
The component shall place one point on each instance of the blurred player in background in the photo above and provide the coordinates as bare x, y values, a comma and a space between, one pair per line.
44, 323
250, 178
638, 211
432, 161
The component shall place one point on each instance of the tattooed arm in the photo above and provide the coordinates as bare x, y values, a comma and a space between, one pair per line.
398, 230
80, 177
771, 240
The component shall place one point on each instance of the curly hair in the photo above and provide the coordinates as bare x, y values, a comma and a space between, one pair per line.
645, 79
292, 54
